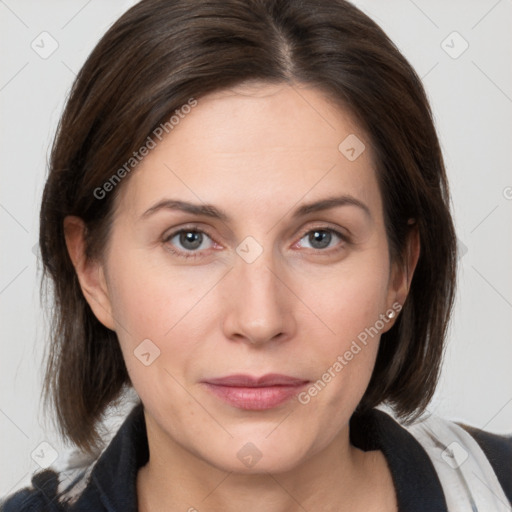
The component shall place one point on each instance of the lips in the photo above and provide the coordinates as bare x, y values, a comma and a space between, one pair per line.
255, 393
271, 379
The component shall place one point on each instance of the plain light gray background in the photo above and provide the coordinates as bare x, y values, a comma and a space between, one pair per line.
471, 96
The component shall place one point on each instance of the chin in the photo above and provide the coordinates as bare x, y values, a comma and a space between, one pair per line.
254, 462
258, 453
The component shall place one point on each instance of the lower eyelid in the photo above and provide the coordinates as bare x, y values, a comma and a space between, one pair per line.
343, 239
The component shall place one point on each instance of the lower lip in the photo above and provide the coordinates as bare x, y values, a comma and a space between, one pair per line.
255, 399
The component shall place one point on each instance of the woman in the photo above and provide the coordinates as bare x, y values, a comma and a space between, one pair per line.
246, 220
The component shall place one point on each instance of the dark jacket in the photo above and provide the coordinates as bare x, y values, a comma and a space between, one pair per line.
109, 485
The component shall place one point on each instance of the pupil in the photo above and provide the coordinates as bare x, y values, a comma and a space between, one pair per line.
320, 239
191, 239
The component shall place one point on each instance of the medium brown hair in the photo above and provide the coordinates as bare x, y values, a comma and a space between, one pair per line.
153, 60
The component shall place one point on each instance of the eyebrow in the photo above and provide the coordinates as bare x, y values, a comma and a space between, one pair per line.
331, 202
208, 210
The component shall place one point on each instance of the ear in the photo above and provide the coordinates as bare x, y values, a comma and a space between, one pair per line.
90, 273
401, 274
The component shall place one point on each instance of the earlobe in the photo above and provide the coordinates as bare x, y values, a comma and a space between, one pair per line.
90, 273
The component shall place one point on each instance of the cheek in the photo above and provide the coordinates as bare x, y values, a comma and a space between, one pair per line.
149, 298
350, 302
168, 306
350, 297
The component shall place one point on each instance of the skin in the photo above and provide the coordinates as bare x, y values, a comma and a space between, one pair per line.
257, 152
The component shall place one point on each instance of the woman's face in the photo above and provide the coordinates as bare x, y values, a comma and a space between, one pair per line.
251, 241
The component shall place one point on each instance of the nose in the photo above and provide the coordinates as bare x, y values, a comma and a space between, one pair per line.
259, 304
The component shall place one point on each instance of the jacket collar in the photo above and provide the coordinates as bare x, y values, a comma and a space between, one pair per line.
417, 485
113, 484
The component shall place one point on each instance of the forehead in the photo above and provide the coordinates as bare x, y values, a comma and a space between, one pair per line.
254, 146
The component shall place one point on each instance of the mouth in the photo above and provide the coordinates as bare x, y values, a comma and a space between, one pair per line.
255, 393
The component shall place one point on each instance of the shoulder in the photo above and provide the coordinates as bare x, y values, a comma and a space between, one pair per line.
498, 450
39, 497
86, 482
51, 490
479, 463
75, 484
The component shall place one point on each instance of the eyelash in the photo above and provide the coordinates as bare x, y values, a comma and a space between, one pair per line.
197, 254
185, 254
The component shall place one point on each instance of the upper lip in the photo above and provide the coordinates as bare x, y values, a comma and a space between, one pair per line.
248, 381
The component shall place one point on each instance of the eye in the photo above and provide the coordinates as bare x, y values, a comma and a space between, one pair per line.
188, 241
321, 238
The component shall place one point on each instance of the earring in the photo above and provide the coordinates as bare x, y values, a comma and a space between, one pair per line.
391, 314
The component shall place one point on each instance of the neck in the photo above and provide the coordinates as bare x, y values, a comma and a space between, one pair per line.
339, 476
